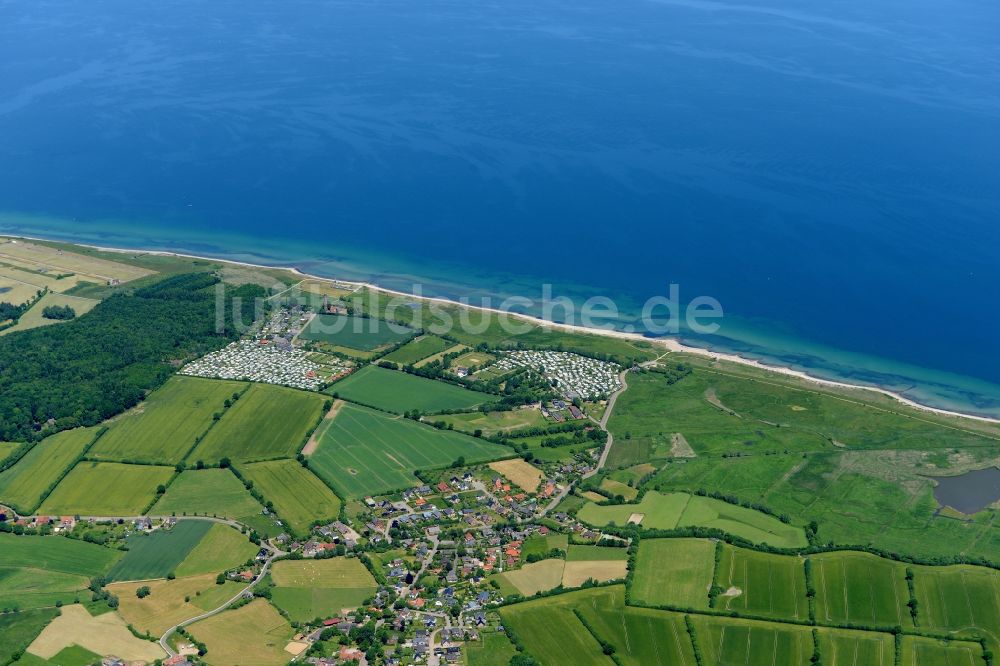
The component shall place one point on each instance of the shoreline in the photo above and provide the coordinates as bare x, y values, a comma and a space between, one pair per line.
669, 344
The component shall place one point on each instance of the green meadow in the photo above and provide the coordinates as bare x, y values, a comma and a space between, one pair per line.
165, 426
106, 489
861, 589
221, 547
298, 496
674, 572
30, 587
211, 492
307, 589
399, 392
417, 350
762, 584
55, 553
365, 452
20, 629
25, 485
492, 423
157, 554
354, 332
267, 422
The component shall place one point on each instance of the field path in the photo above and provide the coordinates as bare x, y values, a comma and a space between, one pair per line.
313, 442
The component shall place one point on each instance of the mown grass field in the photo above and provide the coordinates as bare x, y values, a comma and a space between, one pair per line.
522, 474
674, 572
222, 547
366, 452
752, 643
164, 427
854, 648
211, 492
860, 588
55, 553
157, 554
267, 422
166, 606
354, 332
578, 553
671, 510
962, 599
253, 635
919, 651
24, 485
417, 350
106, 489
765, 584
400, 392
492, 649
307, 589
28, 587
101, 634
298, 496
536, 577
492, 423
20, 629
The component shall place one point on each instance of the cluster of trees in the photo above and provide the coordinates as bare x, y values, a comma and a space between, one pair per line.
58, 312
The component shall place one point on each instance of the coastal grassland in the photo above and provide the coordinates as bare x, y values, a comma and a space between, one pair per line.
158, 553
307, 589
102, 634
45, 258
30, 587
536, 577
861, 589
210, 492
920, 651
753, 643
170, 601
493, 423
297, 495
762, 584
671, 510
221, 548
106, 489
354, 332
24, 485
842, 647
365, 452
56, 553
400, 392
252, 635
164, 427
492, 649
535, 623
20, 629
33, 318
417, 349
674, 572
961, 599
522, 474
14, 289
267, 422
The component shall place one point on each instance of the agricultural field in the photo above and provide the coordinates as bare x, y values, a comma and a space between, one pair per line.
919, 651
493, 423
577, 553
158, 553
671, 510
29, 587
54, 261
847, 648
55, 553
364, 452
762, 584
25, 485
106, 489
440, 355
222, 547
578, 572
307, 589
619, 488
20, 629
103, 634
354, 332
166, 425
522, 474
417, 349
732, 641
963, 599
207, 492
166, 606
535, 577
399, 392
859, 588
267, 422
536, 622
674, 572
298, 496
33, 318
492, 649
252, 635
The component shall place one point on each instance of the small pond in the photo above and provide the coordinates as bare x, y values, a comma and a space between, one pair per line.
969, 492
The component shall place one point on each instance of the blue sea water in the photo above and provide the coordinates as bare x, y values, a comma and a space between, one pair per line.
829, 171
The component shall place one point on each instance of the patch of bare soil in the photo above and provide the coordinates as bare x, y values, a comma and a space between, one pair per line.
679, 447
713, 400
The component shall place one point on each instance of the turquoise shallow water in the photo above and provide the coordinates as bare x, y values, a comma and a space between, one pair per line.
829, 172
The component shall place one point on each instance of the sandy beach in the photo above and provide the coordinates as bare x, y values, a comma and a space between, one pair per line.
668, 344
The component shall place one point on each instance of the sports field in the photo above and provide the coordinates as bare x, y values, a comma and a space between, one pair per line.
252, 635
106, 489
841, 647
354, 332
400, 392
307, 589
33, 318
24, 485
164, 427
961, 598
671, 510
417, 349
166, 606
861, 589
752, 643
267, 422
762, 584
211, 492
366, 452
55, 553
298, 496
492, 423
919, 651
674, 572
103, 634
157, 554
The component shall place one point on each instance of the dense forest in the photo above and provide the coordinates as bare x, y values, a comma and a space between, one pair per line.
100, 364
